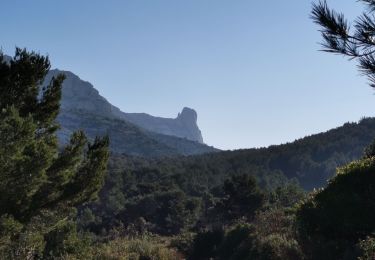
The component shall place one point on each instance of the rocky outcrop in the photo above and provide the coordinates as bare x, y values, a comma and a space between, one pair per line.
81, 95
184, 125
82, 107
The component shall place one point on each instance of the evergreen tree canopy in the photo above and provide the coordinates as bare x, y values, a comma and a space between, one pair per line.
37, 178
242, 197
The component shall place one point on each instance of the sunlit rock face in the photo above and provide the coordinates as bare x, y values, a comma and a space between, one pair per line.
81, 95
138, 134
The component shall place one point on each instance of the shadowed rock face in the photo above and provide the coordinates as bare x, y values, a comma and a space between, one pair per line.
184, 125
81, 95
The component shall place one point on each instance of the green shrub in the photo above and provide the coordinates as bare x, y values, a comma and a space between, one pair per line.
144, 248
65, 239
184, 242
207, 243
277, 247
332, 220
367, 249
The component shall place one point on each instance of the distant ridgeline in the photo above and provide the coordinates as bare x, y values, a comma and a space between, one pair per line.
82, 107
311, 160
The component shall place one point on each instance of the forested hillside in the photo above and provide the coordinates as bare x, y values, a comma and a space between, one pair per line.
311, 160
126, 137
221, 205
152, 189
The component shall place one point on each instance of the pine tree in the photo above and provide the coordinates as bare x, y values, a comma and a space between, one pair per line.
357, 42
40, 183
242, 197
335, 222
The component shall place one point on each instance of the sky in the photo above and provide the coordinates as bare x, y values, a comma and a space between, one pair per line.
251, 69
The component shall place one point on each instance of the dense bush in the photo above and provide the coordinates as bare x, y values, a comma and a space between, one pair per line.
333, 219
168, 212
367, 248
143, 248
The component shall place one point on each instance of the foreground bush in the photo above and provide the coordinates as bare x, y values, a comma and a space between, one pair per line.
144, 248
249, 241
333, 220
367, 249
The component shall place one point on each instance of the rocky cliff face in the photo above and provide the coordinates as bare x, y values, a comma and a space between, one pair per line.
184, 125
81, 95
83, 108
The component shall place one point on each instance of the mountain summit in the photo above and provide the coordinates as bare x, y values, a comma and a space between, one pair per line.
140, 134
81, 95
183, 126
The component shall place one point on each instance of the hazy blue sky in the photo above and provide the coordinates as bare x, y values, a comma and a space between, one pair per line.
251, 69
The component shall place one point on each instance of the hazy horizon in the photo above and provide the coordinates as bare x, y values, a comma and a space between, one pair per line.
252, 71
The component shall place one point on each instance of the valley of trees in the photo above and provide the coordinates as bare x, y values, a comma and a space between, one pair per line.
141, 195
81, 201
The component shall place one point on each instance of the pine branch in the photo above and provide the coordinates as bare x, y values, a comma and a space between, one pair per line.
370, 4
339, 39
